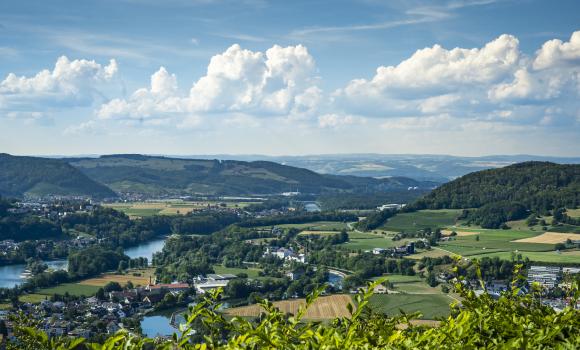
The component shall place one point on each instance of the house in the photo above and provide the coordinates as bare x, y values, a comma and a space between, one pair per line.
204, 287
294, 275
112, 327
378, 251
220, 277
80, 333
380, 289
152, 298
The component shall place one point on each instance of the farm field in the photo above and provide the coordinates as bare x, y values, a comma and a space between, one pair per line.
89, 286
574, 213
572, 256
70, 288
411, 222
550, 238
315, 226
459, 233
394, 278
323, 308
494, 240
433, 253
317, 233
173, 207
431, 306
251, 272
102, 280
368, 241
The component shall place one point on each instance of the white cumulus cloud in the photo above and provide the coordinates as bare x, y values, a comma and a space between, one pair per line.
69, 83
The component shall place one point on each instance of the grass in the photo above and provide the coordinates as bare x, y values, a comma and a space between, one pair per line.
33, 298
495, 240
572, 256
169, 207
368, 241
433, 253
393, 278
574, 213
314, 226
430, 306
411, 222
318, 233
72, 289
122, 279
251, 272
323, 308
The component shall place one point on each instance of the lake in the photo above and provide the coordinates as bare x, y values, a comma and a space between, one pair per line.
10, 274
146, 250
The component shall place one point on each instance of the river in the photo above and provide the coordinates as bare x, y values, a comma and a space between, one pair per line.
10, 274
335, 279
146, 250
158, 323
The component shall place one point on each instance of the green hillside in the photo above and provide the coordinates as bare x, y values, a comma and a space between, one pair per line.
529, 189
538, 186
161, 175
34, 176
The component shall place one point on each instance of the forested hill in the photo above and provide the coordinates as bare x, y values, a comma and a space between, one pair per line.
154, 175
34, 176
537, 186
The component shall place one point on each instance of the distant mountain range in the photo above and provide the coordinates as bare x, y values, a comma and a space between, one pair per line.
438, 168
156, 175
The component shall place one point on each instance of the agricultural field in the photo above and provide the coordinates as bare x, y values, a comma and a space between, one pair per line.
75, 289
570, 256
89, 286
323, 308
251, 272
493, 239
550, 238
141, 280
411, 222
315, 226
368, 241
172, 207
432, 253
574, 213
317, 233
431, 306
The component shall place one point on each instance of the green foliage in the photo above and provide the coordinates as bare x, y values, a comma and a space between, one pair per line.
93, 260
514, 321
35, 176
376, 219
540, 186
536, 186
160, 176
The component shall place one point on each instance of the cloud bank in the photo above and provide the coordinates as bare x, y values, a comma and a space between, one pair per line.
494, 87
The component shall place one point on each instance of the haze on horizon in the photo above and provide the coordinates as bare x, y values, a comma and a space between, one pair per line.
186, 77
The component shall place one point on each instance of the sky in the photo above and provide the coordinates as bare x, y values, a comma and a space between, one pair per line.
183, 77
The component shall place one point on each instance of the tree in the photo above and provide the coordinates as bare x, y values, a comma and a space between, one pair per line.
112, 287
100, 294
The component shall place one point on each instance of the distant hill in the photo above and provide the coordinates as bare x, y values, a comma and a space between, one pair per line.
537, 186
154, 175
440, 168
38, 177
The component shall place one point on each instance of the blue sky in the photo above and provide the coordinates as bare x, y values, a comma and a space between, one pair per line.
290, 77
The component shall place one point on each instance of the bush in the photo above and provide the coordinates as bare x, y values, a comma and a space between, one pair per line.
513, 321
